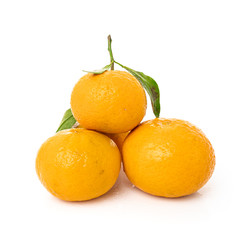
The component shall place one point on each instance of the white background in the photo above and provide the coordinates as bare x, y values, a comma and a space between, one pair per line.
191, 48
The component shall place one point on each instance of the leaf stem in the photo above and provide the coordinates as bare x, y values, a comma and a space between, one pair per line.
120, 64
110, 51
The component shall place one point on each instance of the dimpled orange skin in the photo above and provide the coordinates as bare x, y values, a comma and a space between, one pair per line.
111, 102
78, 164
118, 138
168, 158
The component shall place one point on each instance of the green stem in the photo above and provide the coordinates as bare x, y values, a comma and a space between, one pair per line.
120, 64
110, 51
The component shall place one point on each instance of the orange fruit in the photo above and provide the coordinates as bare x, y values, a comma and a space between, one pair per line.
78, 164
118, 138
168, 157
111, 102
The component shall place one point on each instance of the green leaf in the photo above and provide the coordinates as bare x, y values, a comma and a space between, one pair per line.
68, 121
102, 70
150, 86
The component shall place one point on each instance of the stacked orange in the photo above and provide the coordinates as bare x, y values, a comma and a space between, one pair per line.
163, 157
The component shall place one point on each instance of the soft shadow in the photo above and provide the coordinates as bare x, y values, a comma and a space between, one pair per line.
123, 185
119, 189
190, 197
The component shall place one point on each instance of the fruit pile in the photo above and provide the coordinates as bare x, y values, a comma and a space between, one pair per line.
103, 129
